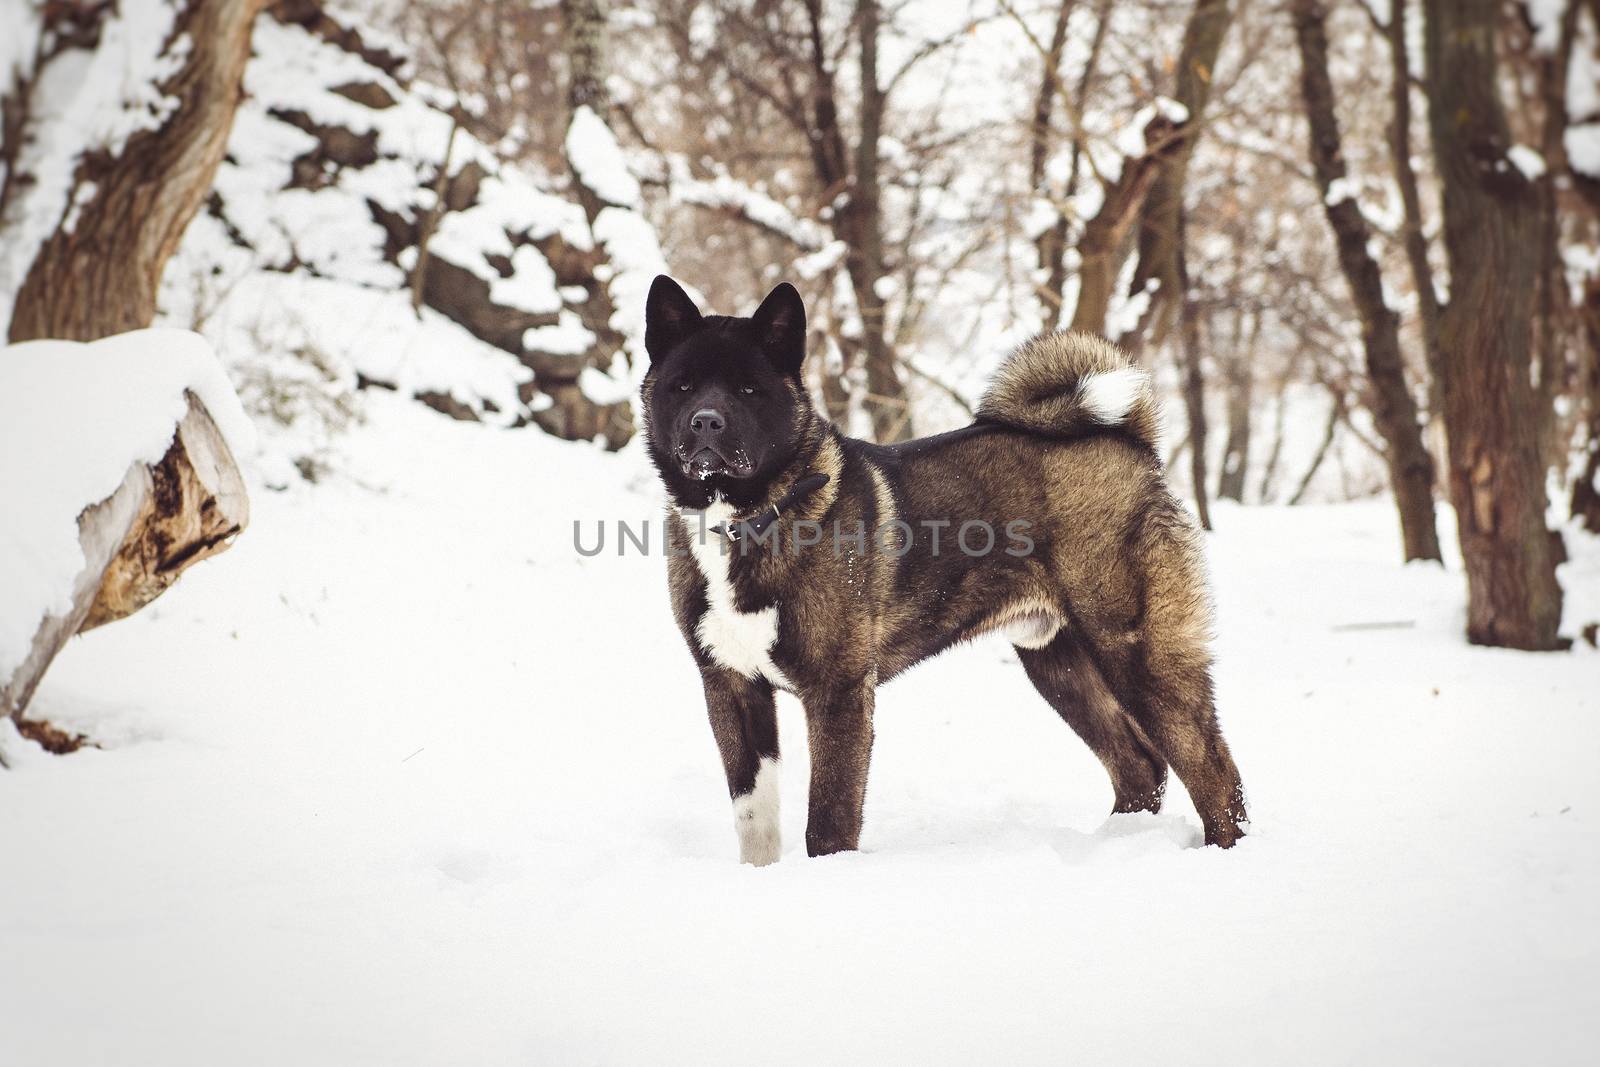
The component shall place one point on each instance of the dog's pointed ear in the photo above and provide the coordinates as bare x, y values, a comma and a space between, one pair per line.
780, 322
669, 317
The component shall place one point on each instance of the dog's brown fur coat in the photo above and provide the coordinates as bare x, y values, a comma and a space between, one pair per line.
1115, 572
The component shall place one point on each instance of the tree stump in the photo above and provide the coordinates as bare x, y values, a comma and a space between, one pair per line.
160, 521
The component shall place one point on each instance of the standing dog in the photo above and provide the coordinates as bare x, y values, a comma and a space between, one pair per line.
805, 560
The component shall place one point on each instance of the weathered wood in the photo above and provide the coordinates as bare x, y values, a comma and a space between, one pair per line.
159, 522
196, 504
102, 528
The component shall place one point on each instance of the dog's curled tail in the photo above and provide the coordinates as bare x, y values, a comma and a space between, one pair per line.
1072, 385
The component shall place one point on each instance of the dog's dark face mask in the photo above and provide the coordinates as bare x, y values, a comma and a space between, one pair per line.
724, 399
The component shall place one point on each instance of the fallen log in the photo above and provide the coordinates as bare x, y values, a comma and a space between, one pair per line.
161, 520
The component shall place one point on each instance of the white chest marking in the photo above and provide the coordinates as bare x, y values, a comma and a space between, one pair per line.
738, 640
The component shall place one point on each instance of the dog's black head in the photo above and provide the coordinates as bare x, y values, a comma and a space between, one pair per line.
725, 407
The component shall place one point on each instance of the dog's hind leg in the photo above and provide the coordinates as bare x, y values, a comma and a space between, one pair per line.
1159, 666
745, 724
1173, 703
1066, 677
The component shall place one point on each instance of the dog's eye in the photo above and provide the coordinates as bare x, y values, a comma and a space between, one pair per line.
683, 387
748, 390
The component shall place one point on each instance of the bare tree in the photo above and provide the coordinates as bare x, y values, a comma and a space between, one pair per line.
1050, 242
1491, 220
1162, 226
1103, 244
1585, 503
1159, 225
849, 178
1239, 368
1394, 409
1405, 177
1585, 499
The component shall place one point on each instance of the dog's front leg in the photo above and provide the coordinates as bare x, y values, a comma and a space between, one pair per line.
746, 728
839, 728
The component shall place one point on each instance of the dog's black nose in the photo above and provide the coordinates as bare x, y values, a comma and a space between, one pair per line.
706, 420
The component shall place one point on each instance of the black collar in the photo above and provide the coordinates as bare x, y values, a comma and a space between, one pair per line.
756, 526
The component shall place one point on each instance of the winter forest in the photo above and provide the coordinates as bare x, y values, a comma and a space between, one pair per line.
324, 340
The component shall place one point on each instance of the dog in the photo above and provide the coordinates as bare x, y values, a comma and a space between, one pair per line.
804, 560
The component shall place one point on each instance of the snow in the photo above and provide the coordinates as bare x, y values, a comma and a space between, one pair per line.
1126, 312
634, 253
1583, 148
17, 47
595, 155
1529, 162
567, 336
436, 788
603, 388
1340, 190
820, 262
1546, 16
73, 418
532, 285
724, 192
1171, 109
1131, 141
1583, 70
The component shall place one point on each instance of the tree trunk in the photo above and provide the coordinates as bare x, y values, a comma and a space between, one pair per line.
1269, 469
1490, 229
1052, 245
1585, 503
1329, 432
886, 395
583, 24
1405, 176
1393, 408
1553, 309
572, 413
100, 276
1100, 249
1159, 224
1194, 382
1586, 488
1049, 243
859, 223
158, 523
1241, 389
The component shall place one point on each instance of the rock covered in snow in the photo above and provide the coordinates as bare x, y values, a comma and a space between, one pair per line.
304, 264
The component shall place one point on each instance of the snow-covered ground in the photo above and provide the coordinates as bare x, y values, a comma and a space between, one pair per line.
402, 778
